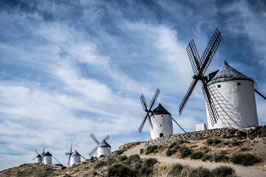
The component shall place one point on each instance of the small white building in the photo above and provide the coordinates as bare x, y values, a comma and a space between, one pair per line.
201, 127
103, 149
47, 158
162, 123
233, 97
75, 158
38, 159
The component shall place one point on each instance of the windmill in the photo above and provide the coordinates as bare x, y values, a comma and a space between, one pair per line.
102, 147
38, 158
199, 66
229, 94
73, 157
159, 118
47, 158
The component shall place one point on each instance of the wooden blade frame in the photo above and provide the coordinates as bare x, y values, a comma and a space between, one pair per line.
210, 50
93, 150
260, 94
94, 138
210, 104
106, 138
189, 92
179, 125
148, 111
200, 65
193, 56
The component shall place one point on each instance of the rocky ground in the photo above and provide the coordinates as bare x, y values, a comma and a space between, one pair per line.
177, 155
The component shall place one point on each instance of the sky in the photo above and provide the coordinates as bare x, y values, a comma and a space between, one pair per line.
71, 68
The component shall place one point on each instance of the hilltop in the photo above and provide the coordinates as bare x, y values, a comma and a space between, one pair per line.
224, 152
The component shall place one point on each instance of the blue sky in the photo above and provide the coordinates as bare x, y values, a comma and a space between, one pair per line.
70, 68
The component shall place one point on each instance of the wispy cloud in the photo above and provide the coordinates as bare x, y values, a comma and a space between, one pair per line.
71, 68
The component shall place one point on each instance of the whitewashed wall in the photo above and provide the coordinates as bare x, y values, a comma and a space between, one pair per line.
47, 160
161, 124
103, 151
74, 159
235, 104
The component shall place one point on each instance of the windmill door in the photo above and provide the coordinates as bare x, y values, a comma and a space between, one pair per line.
161, 134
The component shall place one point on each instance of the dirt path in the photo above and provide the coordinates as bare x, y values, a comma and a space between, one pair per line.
240, 170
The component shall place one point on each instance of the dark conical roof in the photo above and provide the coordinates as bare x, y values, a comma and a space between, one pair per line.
76, 153
226, 73
104, 144
47, 154
160, 110
38, 155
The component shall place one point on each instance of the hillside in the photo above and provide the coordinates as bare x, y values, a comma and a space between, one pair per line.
212, 149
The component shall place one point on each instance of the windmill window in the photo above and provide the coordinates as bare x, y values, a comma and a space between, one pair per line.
219, 86
238, 83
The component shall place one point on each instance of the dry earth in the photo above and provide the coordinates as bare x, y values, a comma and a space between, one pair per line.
240, 170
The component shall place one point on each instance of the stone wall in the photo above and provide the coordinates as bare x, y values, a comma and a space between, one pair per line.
251, 133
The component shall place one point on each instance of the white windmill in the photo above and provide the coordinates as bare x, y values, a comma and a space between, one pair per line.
102, 147
73, 157
38, 158
229, 95
47, 158
159, 118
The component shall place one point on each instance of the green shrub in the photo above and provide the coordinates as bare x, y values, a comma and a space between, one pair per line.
145, 171
119, 152
201, 172
122, 158
184, 151
99, 164
136, 165
223, 171
206, 157
175, 170
170, 152
196, 155
133, 158
173, 145
110, 161
244, 159
150, 162
213, 141
236, 143
151, 149
244, 149
220, 157
120, 170
141, 151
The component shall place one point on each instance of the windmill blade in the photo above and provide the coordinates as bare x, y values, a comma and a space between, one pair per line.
210, 105
71, 147
83, 157
43, 151
193, 56
93, 150
56, 159
154, 98
143, 102
179, 125
106, 138
34, 158
94, 138
190, 90
210, 50
150, 122
143, 122
68, 162
260, 94
36, 152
